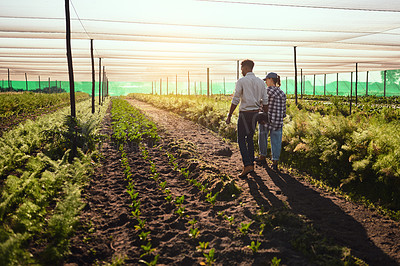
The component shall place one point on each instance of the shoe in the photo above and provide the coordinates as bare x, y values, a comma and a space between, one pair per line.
246, 170
261, 159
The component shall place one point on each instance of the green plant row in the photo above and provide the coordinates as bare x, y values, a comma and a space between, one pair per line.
356, 153
130, 125
12, 104
41, 191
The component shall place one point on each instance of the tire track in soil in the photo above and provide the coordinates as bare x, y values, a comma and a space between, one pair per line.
372, 237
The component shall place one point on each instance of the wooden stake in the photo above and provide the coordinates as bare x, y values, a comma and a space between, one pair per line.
70, 67
188, 84
99, 80
384, 83
93, 75
208, 81
356, 81
351, 90
295, 76
26, 82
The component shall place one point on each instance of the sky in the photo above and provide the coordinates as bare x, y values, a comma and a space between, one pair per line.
149, 40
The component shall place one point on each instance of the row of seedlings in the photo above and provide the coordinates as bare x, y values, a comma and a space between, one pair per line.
130, 130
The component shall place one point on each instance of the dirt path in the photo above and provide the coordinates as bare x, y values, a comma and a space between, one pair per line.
107, 232
370, 236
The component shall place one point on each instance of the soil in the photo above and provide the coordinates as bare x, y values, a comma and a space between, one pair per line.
107, 230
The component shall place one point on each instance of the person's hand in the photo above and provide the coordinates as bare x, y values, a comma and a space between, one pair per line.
228, 119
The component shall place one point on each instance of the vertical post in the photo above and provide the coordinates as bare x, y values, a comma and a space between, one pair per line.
314, 86
384, 83
356, 82
188, 84
176, 84
99, 81
9, 84
324, 84
366, 85
286, 85
93, 75
295, 76
39, 82
337, 84
351, 90
301, 83
237, 70
26, 82
104, 83
160, 86
167, 85
208, 81
49, 84
224, 87
70, 67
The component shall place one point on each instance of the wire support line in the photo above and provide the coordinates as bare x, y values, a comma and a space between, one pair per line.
208, 26
301, 6
80, 21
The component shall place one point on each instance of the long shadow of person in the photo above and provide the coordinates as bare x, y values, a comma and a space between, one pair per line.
262, 194
328, 218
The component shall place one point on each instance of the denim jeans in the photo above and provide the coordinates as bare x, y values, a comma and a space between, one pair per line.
276, 141
245, 129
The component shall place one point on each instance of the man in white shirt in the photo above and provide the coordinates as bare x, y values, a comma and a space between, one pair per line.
249, 91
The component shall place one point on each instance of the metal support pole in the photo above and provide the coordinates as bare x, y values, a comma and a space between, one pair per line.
366, 85
9, 83
324, 84
49, 84
39, 82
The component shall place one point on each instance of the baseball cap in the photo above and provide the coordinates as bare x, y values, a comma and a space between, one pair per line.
271, 75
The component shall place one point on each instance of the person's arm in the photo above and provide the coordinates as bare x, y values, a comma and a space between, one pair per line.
235, 100
231, 110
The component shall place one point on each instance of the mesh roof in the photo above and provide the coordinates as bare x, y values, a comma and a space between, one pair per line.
149, 40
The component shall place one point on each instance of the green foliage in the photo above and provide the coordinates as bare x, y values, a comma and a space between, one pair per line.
130, 125
244, 228
202, 246
254, 246
210, 256
275, 262
33, 184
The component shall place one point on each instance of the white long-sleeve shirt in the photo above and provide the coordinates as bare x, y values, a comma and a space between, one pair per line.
249, 91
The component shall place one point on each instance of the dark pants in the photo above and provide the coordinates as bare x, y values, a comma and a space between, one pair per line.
245, 129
